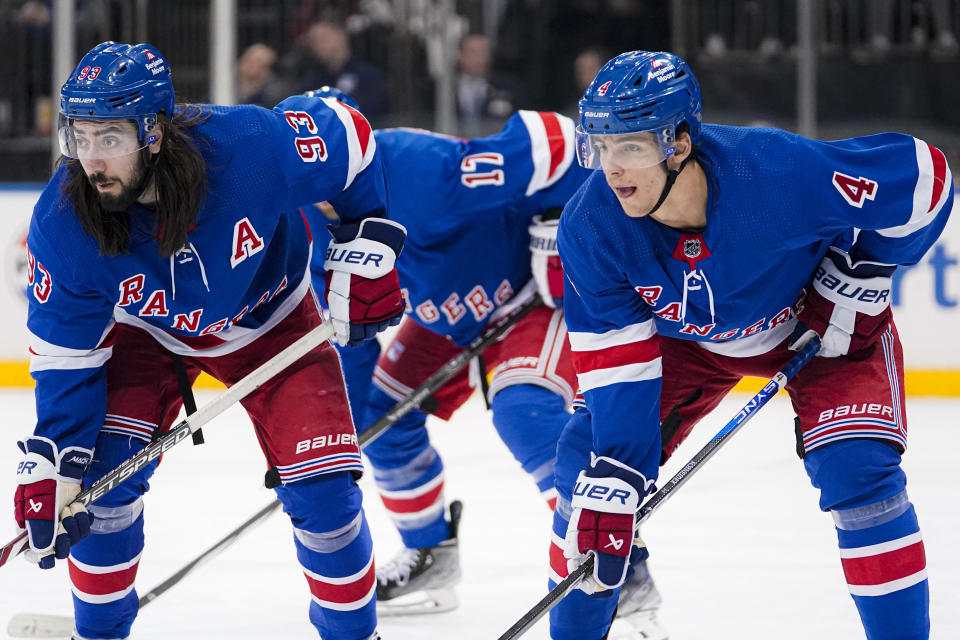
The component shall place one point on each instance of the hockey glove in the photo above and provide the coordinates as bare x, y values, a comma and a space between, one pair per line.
48, 481
545, 261
363, 290
848, 305
605, 502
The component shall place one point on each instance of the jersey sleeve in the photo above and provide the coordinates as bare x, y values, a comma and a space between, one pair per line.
529, 166
326, 151
68, 324
891, 195
615, 353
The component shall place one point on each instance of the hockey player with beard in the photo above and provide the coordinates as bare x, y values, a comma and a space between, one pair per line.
698, 254
177, 230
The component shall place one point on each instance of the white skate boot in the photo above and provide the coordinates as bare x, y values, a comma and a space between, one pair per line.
421, 580
637, 609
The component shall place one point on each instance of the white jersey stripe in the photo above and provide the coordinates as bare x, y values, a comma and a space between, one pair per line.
358, 158
636, 372
91, 360
923, 213
582, 341
542, 155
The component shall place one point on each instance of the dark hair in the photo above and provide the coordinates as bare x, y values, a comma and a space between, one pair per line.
180, 175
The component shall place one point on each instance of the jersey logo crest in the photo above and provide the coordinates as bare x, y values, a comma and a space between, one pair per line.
855, 190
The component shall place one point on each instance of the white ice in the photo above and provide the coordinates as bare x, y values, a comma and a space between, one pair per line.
740, 552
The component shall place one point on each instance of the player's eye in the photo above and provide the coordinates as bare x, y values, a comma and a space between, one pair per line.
598, 147
110, 142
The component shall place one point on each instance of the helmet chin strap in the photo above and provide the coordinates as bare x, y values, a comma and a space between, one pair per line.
672, 175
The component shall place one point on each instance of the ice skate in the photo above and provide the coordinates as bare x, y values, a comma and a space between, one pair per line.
637, 608
421, 580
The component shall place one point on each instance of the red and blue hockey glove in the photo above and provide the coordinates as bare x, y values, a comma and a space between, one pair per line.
48, 481
363, 290
848, 305
605, 502
545, 260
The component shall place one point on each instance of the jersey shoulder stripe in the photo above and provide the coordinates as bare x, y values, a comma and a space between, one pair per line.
551, 145
930, 193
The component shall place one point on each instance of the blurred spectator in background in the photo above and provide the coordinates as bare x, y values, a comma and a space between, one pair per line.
35, 19
327, 60
257, 81
585, 68
480, 102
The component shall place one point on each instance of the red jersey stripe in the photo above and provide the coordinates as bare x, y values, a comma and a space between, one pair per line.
618, 356
554, 139
939, 175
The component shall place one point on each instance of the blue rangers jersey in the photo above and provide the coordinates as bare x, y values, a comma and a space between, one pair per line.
466, 205
776, 202
243, 269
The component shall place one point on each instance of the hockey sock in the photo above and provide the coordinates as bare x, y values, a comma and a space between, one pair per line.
885, 567
409, 474
335, 549
103, 568
529, 420
881, 548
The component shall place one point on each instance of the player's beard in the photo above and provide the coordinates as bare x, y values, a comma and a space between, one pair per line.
129, 191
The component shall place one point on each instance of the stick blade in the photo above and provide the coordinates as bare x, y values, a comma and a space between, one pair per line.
39, 625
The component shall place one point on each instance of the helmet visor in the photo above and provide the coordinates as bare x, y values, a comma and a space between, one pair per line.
98, 139
634, 150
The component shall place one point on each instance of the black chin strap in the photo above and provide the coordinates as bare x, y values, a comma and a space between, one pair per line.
672, 175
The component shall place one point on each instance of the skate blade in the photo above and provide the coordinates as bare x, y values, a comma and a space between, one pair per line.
640, 625
419, 603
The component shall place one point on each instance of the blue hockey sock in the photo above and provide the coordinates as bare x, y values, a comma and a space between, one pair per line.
103, 568
885, 566
358, 364
529, 420
335, 549
409, 474
881, 548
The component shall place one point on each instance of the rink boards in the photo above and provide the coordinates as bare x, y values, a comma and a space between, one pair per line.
926, 299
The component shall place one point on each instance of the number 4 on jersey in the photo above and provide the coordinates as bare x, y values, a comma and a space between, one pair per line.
854, 190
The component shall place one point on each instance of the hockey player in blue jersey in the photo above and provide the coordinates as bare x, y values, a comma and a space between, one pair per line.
177, 230
467, 205
698, 254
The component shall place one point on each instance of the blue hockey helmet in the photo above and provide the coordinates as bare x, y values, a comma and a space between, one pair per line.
327, 91
115, 81
638, 92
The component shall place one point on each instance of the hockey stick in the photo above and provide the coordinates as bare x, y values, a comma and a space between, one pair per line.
750, 409
40, 625
185, 427
35, 625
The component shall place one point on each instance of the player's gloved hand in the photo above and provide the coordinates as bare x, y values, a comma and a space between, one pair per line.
605, 502
545, 260
48, 481
848, 305
363, 291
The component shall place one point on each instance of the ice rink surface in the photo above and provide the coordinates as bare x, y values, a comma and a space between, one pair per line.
741, 552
